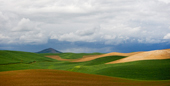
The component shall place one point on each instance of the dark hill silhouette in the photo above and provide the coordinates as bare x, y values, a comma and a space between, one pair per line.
49, 50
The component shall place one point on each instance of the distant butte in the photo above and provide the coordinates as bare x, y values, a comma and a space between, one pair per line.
49, 50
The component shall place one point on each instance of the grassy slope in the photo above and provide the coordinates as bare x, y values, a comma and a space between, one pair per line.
12, 57
143, 70
71, 55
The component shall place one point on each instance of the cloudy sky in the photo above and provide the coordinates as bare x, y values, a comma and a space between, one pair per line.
85, 25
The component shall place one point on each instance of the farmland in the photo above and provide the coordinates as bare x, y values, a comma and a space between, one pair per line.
148, 71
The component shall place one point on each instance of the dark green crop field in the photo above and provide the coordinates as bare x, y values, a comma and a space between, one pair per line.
14, 57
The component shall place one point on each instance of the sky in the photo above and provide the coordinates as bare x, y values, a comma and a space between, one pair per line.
85, 26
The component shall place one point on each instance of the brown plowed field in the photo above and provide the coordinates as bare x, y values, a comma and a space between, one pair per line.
150, 55
46, 77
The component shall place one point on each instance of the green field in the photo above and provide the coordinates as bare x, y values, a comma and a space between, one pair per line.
71, 55
14, 57
139, 70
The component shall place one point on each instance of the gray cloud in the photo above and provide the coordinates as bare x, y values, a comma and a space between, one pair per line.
87, 35
117, 21
24, 25
87, 50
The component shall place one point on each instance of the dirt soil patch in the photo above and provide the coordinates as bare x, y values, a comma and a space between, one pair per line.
46, 77
150, 55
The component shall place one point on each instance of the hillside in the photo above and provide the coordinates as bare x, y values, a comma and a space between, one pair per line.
13, 57
83, 57
65, 78
139, 70
150, 55
49, 50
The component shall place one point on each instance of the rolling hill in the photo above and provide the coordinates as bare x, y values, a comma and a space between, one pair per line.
46, 77
150, 55
151, 69
49, 50
14, 57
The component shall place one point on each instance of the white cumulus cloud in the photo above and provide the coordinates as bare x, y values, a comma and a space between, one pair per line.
167, 36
